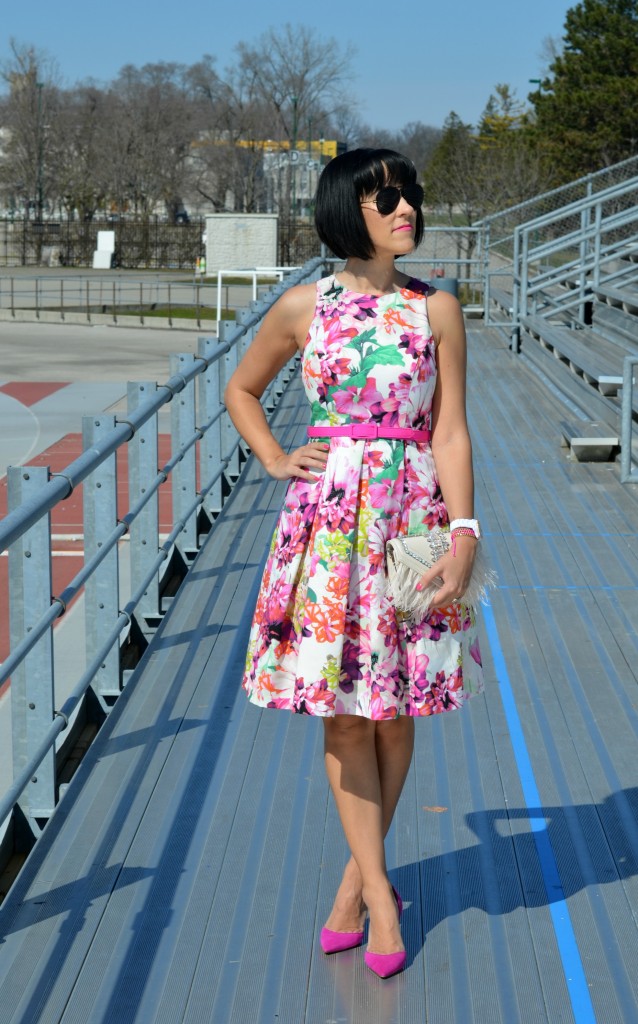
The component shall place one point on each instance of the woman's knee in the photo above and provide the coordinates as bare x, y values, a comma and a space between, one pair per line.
395, 730
344, 729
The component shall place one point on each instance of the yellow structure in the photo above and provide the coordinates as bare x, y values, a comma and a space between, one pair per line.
327, 148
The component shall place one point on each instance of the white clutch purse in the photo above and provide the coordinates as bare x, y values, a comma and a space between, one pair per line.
408, 558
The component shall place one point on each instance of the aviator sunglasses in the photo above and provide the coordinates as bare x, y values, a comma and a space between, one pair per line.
387, 199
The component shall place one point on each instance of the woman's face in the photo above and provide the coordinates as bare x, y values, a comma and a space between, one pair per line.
393, 232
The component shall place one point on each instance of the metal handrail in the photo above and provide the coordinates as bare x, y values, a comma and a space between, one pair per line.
578, 205
62, 485
577, 266
22, 519
591, 231
587, 180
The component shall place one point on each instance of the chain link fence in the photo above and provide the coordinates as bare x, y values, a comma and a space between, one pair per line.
145, 245
139, 245
501, 225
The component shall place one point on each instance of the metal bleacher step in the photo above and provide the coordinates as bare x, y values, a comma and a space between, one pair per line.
503, 299
592, 403
596, 359
625, 298
590, 442
616, 325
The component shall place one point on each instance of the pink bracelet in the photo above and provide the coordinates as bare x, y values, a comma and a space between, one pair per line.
461, 531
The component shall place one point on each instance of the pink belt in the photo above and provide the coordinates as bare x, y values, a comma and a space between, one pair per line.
370, 431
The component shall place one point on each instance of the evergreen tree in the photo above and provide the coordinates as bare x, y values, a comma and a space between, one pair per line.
503, 115
587, 107
451, 177
477, 172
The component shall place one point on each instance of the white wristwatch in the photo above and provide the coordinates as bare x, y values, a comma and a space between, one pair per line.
466, 524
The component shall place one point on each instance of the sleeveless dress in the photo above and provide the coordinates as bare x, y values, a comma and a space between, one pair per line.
325, 639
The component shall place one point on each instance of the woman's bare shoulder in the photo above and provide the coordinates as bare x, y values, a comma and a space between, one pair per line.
299, 300
444, 312
443, 303
296, 309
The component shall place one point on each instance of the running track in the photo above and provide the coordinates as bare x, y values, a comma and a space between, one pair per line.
66, 518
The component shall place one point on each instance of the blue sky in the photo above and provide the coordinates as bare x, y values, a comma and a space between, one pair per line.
414, 62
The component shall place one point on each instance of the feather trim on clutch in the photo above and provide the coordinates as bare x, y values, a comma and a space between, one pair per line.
408, 558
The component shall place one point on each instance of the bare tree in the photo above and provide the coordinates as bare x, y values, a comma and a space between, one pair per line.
150, 120
29, 119
82, 151
301, 79
346, 125
227, 155
299, 75
286, 87
415, 140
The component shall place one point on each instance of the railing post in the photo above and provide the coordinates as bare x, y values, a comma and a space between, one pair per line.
516, 288
101, 593
32, 682
183, 477
144, 531
219, 299
626, 475
242, 316
585, 223
210, 448
227, 365
485, 254
597, 243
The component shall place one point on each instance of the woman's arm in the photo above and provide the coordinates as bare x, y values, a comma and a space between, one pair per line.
451, 445
283, 332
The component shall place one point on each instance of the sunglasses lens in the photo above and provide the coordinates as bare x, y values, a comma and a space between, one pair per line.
387, 198
413, 194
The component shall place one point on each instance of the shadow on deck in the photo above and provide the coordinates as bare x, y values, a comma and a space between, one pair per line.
188, 869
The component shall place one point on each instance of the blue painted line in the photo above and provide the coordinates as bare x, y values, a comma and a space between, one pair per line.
557, 533
565, 938
593, 588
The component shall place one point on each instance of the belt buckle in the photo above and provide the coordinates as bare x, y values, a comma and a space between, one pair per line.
365, 431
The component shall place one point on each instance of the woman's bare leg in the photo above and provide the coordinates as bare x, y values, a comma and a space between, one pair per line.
394, 745
367, 763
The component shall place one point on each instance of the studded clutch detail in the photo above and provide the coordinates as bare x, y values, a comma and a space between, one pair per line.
408, 558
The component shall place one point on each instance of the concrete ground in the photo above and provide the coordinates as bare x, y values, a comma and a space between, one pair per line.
75, 353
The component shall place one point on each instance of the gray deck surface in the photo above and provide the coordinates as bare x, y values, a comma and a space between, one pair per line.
187, 872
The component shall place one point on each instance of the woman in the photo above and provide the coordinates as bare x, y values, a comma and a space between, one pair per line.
383, 364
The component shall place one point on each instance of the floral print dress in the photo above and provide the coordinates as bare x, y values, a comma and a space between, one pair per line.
325, 638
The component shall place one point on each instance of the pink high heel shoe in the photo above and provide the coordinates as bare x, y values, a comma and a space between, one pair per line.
336, 942
384, 965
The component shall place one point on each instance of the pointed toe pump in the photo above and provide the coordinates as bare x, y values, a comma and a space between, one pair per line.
384, 965
336, 942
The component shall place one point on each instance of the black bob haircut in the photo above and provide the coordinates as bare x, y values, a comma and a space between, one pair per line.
344, 182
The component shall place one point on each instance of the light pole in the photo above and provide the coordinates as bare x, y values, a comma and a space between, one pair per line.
538, 82
40, 203
309, 174
293, 158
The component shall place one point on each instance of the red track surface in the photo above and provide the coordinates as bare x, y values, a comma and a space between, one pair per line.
66, 517
30, 392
